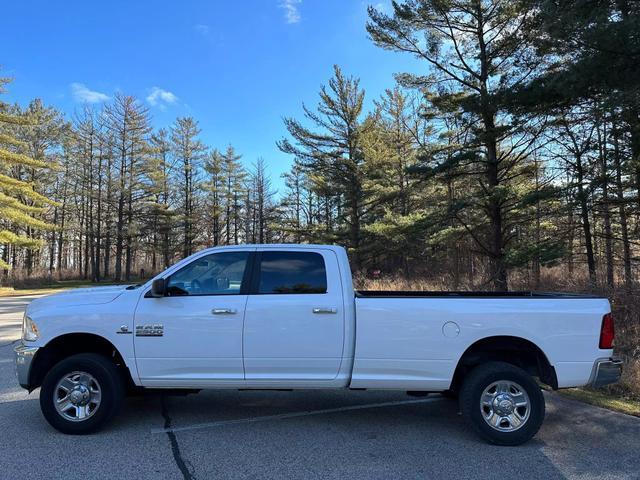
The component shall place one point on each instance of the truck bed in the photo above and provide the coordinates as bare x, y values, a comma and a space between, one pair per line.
468, 294
419, 336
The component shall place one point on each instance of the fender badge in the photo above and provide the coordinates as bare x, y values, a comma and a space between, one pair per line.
150, 330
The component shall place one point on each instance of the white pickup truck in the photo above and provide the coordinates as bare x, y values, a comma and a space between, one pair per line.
287, 317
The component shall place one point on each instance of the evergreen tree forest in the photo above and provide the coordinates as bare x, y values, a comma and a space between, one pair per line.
512, 154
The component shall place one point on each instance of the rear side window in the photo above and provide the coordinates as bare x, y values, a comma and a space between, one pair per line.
292, 272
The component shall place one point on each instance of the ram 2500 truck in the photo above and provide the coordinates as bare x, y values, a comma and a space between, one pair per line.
287, 317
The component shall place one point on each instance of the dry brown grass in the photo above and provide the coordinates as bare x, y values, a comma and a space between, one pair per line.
398, 283
40, 276
43, 279
603, 399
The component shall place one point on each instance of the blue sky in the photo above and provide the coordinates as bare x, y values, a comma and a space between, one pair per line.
238, 67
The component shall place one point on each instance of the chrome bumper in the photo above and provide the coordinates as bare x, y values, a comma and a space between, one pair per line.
605, 371
24, 357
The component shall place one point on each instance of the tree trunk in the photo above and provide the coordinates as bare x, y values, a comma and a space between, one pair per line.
120, 225
586, 224
606, 213
536, 259
354, 223
624, 230
498, 270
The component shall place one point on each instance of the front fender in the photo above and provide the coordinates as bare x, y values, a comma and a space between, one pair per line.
105, 321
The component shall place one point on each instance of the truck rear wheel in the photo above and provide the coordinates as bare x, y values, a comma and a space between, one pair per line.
503, 403
81, 393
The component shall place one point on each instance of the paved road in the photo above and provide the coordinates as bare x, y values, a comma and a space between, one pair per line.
307, 434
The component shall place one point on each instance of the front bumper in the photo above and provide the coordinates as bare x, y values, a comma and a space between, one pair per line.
605, 371
24, 357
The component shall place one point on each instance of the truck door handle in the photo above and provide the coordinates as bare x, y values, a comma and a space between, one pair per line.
223, 311
325, 310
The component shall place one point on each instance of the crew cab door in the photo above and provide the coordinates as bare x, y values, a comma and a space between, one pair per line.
193, 335
294, 321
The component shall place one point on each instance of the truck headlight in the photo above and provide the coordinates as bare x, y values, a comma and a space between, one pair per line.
30, 332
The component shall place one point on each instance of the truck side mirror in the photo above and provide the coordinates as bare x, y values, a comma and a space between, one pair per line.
158, 288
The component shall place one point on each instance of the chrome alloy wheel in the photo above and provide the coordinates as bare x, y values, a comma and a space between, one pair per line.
505, 406
77, 396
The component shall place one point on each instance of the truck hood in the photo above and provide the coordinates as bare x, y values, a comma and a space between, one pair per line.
78, 296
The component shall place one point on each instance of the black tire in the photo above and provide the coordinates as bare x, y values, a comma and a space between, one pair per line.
450, 394
483, 377
111, 384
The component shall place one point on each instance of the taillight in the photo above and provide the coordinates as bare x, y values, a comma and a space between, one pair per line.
607, 332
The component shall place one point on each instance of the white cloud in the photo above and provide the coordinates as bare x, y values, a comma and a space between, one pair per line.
82, 94
201, 28
161, 98
381, 7
291, 12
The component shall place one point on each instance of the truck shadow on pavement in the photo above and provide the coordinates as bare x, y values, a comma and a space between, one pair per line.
233, 434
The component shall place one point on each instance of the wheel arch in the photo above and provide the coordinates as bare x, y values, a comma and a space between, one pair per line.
69, 344
517, 351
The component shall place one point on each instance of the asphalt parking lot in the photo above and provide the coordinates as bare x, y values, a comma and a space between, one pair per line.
305, 434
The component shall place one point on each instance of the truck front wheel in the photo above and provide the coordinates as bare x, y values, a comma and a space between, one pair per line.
503, 403
81, 393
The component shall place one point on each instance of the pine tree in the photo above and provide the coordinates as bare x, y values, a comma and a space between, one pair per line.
293, 203
260, 208
334, 151
391, 194
214, 187
21, 206
591, 48
127, 122
41, 136
479, 50
162, 213
188, 151
234, 176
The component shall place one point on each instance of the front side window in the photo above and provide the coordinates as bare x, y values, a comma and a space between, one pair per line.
292, 272
215, 274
